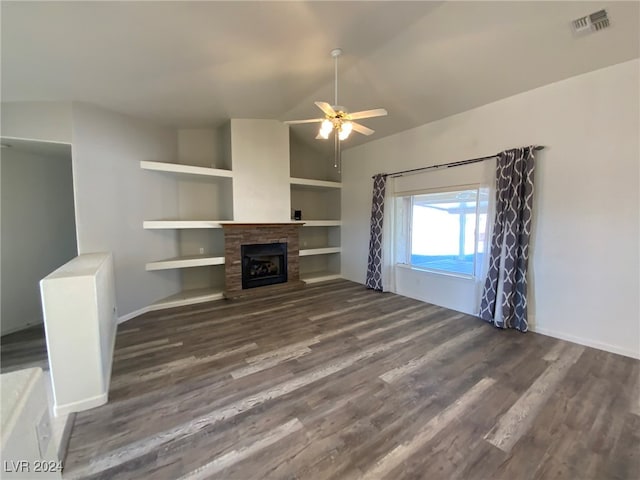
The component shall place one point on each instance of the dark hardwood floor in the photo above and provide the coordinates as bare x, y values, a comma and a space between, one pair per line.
24, 349
336, 381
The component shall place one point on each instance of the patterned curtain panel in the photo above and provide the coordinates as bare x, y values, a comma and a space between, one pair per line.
374, 265
510, 240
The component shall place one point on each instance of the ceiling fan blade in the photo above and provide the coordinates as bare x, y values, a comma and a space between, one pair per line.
310, 120
326, 108
362, 129
378, 112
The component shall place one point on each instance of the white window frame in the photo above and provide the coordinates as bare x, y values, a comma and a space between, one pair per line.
408, 223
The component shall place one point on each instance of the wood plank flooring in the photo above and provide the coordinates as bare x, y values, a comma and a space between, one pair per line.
24, 349
335, 381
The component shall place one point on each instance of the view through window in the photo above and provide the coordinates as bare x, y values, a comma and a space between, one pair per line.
442, 231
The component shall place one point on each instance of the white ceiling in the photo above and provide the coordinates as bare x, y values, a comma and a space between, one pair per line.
189, 64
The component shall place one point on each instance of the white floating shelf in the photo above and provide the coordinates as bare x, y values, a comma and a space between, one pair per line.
169, 224
322, 223
185, 262
187, 297
315, 277
185, 169
320, 251
307, 182
239, 222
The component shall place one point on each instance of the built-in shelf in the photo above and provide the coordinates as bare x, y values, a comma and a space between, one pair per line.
322, 223
187, 297
185, 262
200, 182
233, 222
185, 169
315, 277
319, 202
313, 184
172, 224
319, 251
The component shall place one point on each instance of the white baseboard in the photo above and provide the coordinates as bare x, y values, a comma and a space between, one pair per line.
79, 406
133, 314
184, 302
587, 342
163, 305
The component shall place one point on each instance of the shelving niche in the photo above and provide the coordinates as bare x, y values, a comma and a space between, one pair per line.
204, 198
316, 191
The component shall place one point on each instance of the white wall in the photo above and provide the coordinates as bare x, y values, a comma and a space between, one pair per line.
307, 162
584, 271
260, 160
46, 121
203, 199
38, 230
114, 196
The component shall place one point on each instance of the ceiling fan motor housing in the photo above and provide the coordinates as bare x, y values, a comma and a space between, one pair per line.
336, 117
341, 111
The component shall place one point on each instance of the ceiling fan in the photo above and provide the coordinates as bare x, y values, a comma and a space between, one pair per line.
337, 119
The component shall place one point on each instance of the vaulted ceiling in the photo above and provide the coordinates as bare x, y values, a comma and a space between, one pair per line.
191, 64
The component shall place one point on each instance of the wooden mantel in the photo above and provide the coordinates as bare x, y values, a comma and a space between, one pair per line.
259, 224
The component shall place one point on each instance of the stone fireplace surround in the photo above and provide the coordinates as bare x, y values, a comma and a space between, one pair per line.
238, 234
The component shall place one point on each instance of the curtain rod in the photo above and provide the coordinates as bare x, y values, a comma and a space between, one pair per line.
448, 165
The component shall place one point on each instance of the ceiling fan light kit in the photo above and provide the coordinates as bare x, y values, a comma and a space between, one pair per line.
325, 128
345, 130
337, 119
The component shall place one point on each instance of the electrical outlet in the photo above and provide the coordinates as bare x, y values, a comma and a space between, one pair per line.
201, 250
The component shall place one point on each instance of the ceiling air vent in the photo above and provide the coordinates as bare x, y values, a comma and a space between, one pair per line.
591, 23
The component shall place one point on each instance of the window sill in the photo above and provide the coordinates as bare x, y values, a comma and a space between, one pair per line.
461, 276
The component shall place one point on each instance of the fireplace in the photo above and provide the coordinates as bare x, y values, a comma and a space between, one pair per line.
263, 264
238, 236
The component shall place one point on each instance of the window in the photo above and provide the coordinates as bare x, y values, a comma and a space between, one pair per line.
442, 231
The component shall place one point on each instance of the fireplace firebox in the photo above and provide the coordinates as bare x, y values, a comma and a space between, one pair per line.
263, 264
